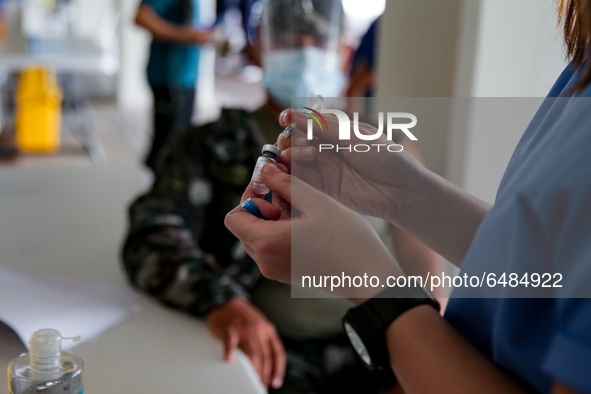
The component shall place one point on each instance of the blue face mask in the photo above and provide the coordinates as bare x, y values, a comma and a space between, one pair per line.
297, 72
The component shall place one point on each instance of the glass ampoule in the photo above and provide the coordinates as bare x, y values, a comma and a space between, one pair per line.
269, 155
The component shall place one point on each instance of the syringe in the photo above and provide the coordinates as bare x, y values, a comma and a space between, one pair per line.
315, 102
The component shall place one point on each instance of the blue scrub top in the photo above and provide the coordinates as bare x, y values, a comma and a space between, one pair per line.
540, 222
173, 64
366, 51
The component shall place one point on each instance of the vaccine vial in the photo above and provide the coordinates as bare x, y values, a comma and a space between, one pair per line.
269, 155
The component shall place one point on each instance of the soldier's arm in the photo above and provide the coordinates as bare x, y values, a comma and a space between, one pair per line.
161, 254
162, 258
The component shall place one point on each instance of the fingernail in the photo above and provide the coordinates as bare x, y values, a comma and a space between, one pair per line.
283, 117
270, 169
276, 383
300, 141
308, 151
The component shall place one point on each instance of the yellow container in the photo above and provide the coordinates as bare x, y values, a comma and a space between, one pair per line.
38, 113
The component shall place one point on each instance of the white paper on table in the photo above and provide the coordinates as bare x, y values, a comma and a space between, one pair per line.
74, 307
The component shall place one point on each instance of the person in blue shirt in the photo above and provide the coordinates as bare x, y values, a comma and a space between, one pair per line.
361, 78
172, 65
501, 339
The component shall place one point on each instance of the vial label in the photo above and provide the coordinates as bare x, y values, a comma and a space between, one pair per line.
256, 184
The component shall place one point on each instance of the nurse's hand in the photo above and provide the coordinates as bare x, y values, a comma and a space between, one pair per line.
375, 183
324, 239
389, 185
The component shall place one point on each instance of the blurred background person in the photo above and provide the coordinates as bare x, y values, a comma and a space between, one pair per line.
362, 72
178, 249
172, 66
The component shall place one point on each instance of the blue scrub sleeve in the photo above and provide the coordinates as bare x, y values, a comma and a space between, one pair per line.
569, 357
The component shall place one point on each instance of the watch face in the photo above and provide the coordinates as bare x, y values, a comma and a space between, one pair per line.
358, 344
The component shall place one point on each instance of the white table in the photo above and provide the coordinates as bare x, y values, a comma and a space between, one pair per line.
74, 55
157, 351
69, 221
70, 62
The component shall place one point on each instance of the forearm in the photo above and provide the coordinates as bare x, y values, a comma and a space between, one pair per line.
162, 258
441, 215
166, 31
413, 256
183, 281
428, 356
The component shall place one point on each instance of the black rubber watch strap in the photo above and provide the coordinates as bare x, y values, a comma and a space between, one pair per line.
371, 319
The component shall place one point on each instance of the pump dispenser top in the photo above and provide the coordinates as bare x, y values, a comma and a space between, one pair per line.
46, 369
46, 350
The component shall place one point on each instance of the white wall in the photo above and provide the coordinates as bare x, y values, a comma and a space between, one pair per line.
417, 58
517, 52
470, 48
94, 16
133, 91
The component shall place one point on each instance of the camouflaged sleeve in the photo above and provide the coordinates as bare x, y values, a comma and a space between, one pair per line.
161, 257
177, 248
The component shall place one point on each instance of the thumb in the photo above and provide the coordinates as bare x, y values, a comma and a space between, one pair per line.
230, 344
299, 194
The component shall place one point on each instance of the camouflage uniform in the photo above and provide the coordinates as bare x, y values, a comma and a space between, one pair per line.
179, 251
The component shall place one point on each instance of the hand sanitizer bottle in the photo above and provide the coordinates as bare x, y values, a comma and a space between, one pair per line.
46, 369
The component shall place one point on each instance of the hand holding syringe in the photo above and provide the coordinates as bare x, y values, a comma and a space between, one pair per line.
315, 102
270, 152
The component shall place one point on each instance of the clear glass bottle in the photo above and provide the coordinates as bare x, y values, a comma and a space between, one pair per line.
269, 155
46, 369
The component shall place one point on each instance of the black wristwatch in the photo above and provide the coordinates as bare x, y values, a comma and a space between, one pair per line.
366, 324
